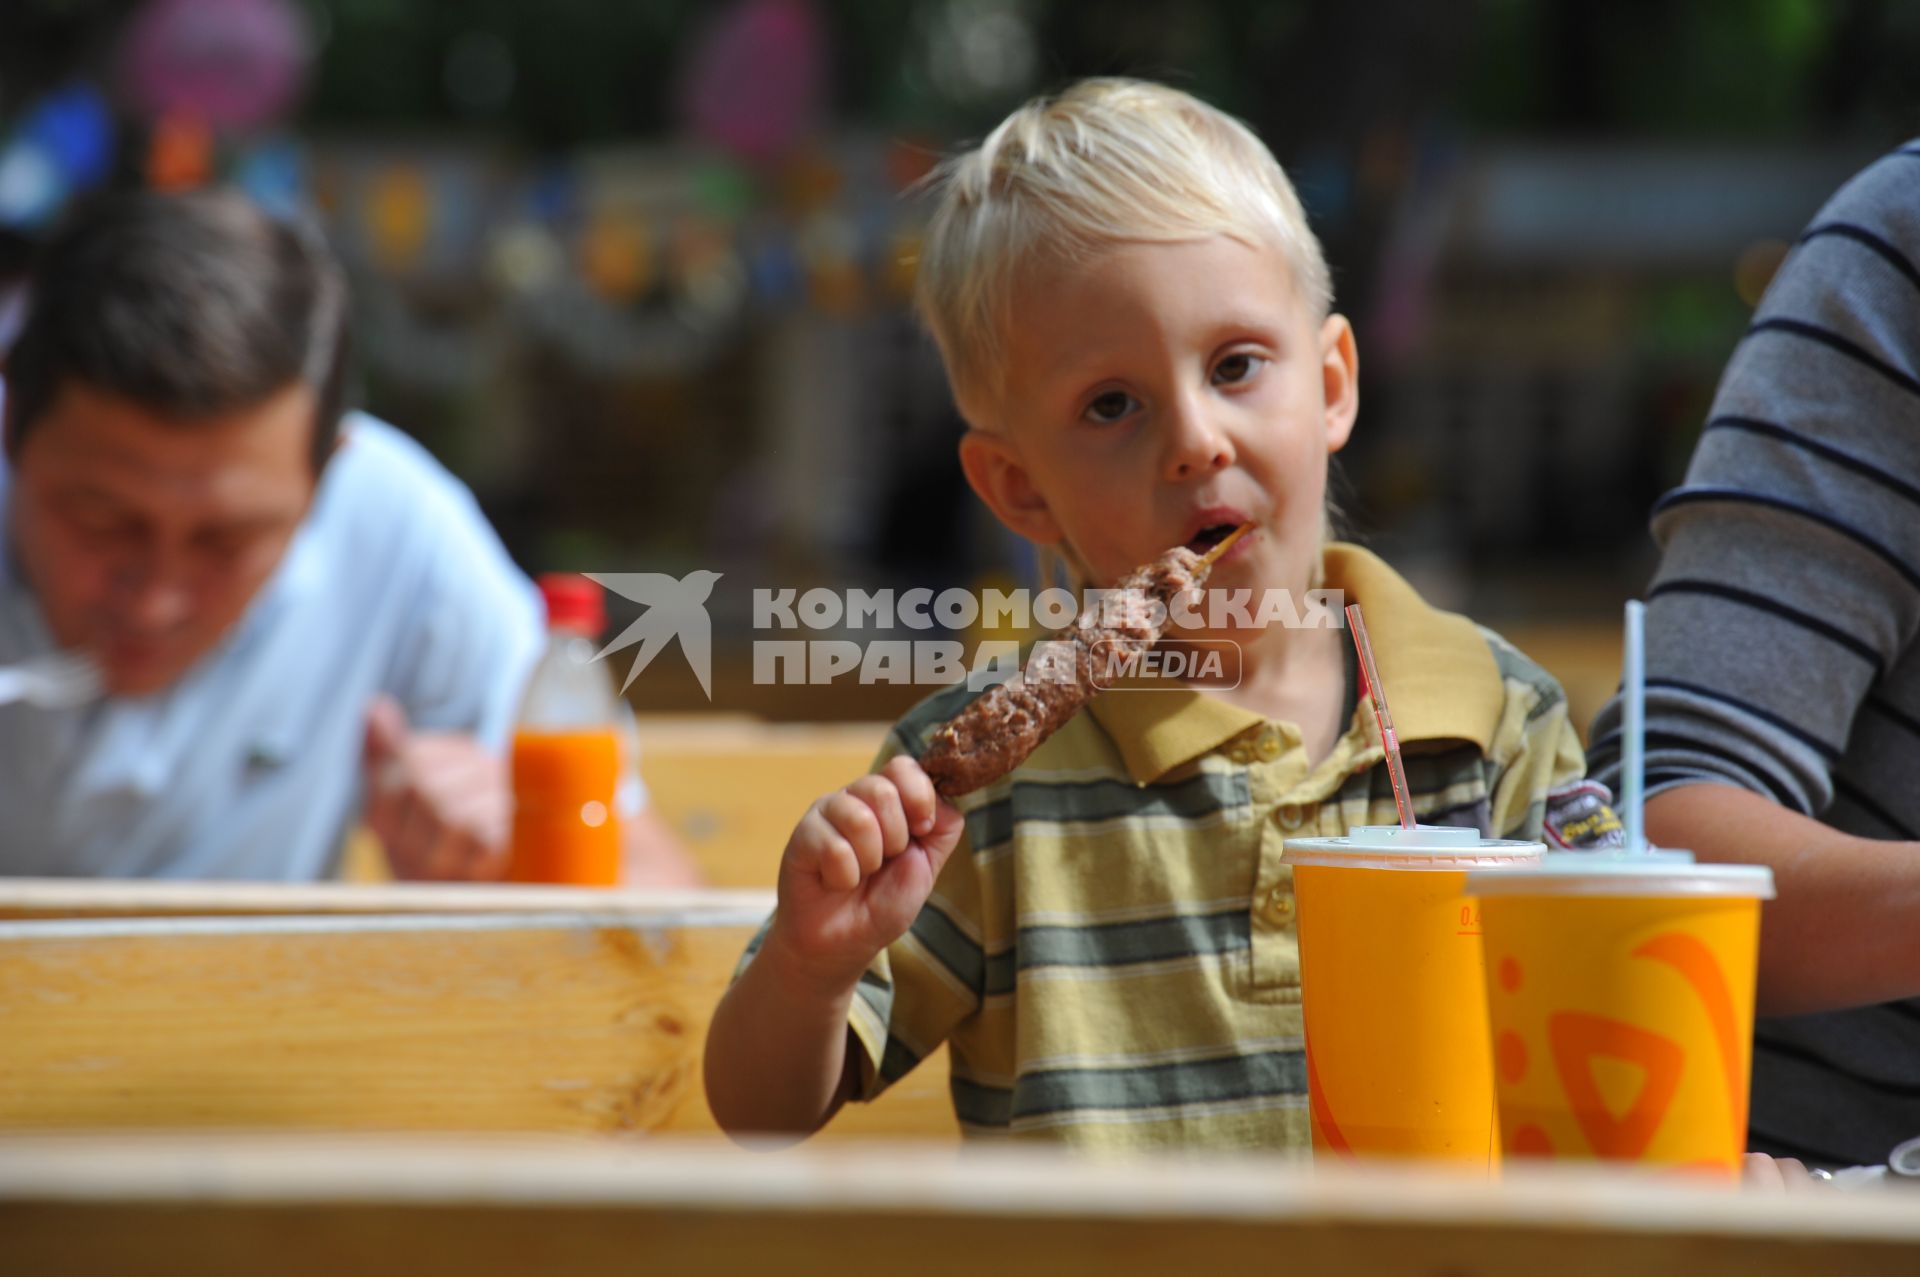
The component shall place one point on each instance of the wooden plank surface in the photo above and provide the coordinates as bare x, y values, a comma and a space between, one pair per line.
325, 1206
562, 1021
510, 1022
42, 899
733, 789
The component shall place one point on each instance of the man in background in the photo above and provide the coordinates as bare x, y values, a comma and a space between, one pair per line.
1783, 670
292, 611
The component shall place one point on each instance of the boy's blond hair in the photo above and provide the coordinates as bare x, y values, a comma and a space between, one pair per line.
1108, 161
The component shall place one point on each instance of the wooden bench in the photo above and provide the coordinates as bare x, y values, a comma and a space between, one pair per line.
343, 1007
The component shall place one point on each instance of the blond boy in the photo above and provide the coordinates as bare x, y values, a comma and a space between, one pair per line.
1136, 322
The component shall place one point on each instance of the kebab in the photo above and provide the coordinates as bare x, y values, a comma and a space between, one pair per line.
999, 729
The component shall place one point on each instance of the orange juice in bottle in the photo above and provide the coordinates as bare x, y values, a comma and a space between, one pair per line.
567, 750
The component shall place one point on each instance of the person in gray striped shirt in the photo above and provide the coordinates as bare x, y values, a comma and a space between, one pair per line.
1783, 669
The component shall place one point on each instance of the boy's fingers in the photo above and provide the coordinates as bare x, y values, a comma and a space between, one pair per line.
948, 825
917, 796
880, 795
859, 826
818, 850
834, 859
902, 891
840, 867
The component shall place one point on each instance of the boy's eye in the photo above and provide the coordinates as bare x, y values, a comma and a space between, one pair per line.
1236, 368
1110, 407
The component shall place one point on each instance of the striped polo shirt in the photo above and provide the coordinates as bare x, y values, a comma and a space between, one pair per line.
1111, 951
1783, 628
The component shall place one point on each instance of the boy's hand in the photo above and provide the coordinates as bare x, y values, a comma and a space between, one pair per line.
859, 866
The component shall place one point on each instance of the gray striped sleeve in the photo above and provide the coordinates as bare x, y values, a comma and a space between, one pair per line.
1789, 583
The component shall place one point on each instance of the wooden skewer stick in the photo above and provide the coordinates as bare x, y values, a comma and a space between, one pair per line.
1212, 556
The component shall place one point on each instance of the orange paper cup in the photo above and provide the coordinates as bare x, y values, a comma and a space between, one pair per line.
1620, 996
1390, 986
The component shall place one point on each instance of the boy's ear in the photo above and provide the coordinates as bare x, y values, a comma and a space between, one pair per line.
995, 473
1339, 379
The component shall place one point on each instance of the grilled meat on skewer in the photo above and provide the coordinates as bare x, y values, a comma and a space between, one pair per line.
998, 730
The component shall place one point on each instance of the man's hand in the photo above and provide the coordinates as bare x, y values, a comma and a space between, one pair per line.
1840, 932
1781, 1175
439, 802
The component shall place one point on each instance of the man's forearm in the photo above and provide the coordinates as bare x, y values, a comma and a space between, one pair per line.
776, 1054
1845, 928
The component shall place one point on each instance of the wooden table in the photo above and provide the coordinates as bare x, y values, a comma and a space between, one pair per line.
324, 1206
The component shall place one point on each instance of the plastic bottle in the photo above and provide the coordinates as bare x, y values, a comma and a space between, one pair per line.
567, 749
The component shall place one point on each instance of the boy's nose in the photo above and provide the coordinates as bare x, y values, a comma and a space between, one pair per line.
1195, 444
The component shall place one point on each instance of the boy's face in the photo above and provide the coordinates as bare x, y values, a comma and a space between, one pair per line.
1161, 392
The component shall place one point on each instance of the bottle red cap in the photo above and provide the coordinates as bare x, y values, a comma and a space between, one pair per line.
574, 602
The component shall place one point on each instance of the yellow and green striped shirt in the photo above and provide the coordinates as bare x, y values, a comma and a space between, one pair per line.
1111, 949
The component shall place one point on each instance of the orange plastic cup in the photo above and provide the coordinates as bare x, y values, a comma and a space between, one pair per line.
1620, 995
565, 826
1390, 982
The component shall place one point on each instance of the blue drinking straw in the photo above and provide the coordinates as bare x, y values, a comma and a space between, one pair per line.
1633, 740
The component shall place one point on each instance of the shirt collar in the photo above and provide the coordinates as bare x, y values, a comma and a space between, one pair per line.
1440, 676
1158, 729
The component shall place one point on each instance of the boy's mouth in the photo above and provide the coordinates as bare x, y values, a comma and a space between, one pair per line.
1211, 535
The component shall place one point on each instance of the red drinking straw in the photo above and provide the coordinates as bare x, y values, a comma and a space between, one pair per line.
1371, 688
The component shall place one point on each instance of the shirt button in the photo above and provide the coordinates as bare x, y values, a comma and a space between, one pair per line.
1240, 754
1288, 815
1280, 906
1269, 747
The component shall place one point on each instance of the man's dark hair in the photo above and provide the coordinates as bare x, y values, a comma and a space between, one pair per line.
191, 305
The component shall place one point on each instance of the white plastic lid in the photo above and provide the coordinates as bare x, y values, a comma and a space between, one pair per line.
1428, 847
1624, 873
